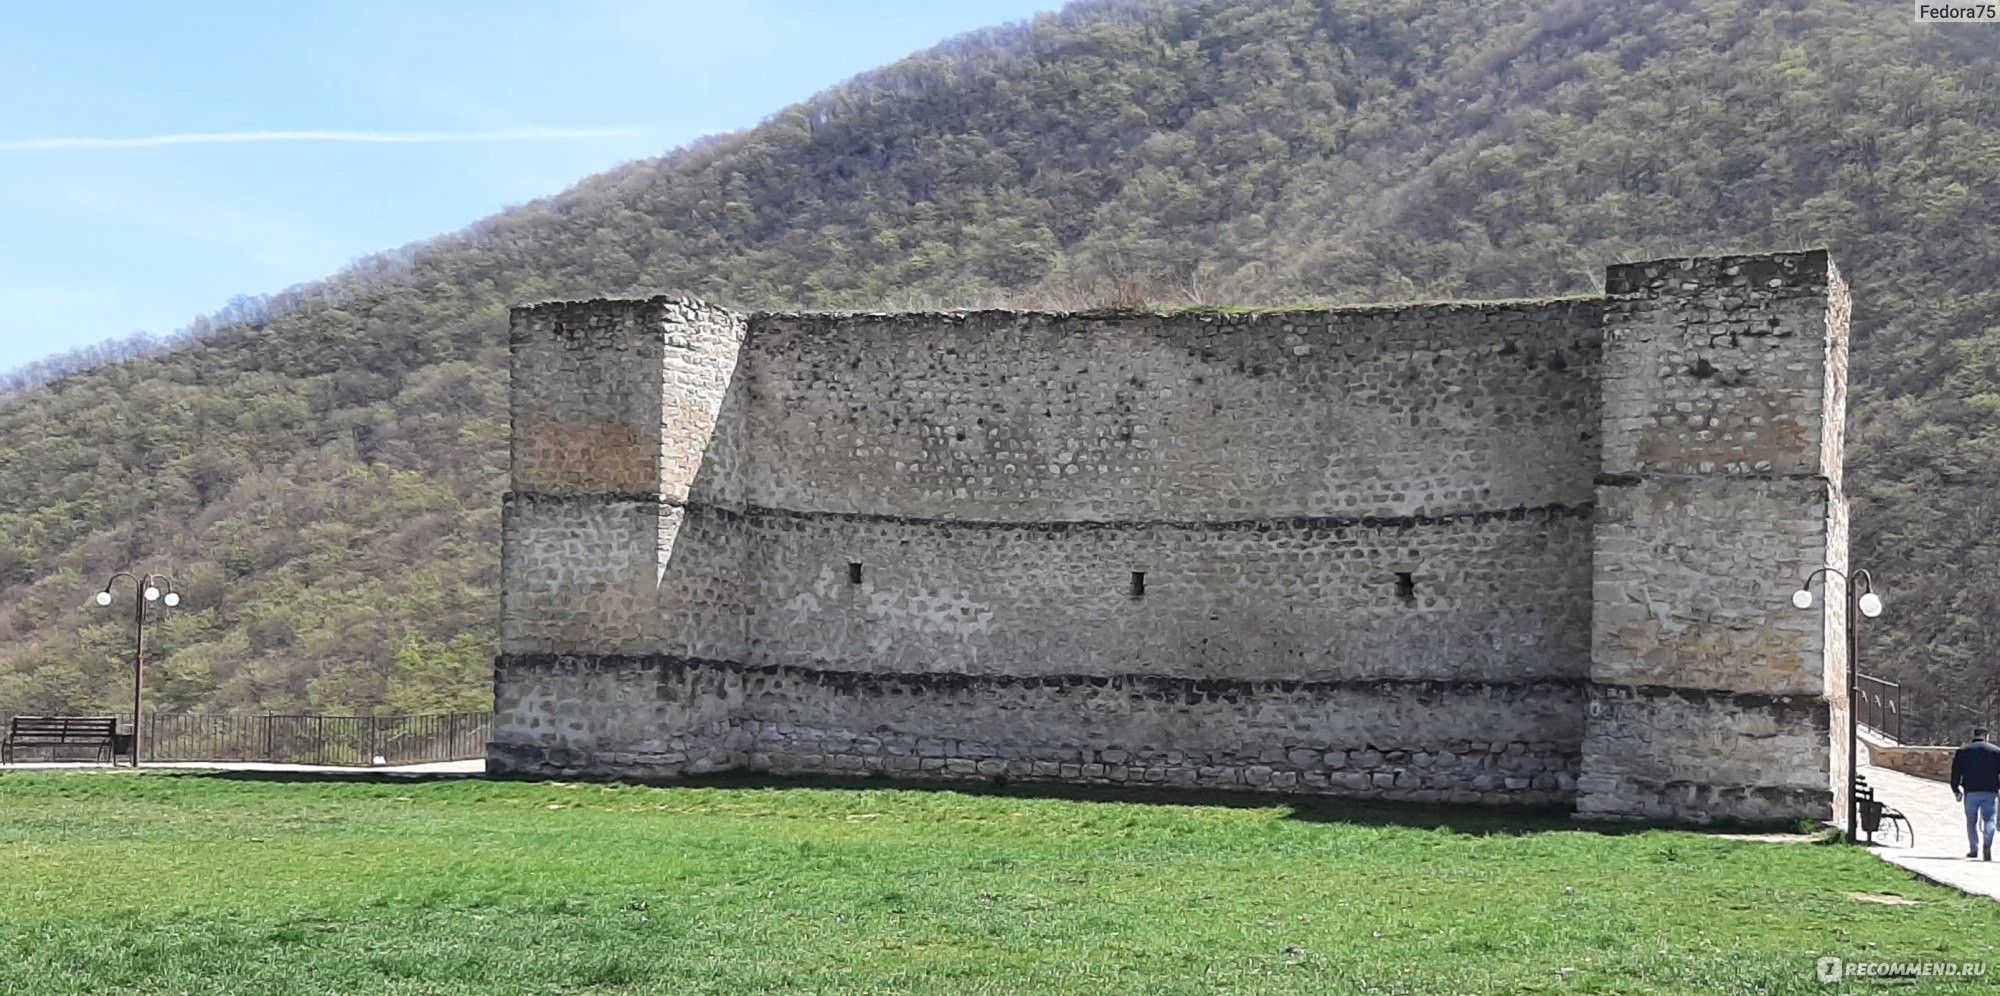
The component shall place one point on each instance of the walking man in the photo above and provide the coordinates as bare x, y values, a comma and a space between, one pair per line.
1975, 781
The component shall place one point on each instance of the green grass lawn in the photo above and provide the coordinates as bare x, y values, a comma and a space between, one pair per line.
171, 883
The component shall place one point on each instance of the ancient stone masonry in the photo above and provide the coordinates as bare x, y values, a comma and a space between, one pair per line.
1724, 397
1508, 552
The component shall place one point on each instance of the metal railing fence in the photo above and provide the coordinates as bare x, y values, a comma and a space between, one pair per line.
306, 739
1880, 705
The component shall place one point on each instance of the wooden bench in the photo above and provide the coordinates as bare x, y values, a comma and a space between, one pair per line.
65, 731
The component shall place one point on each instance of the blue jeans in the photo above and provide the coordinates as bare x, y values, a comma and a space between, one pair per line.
1979, 815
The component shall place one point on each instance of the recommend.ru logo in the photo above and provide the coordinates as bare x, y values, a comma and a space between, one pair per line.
1831, 969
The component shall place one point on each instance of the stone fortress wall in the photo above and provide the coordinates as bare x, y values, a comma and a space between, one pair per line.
1509, 552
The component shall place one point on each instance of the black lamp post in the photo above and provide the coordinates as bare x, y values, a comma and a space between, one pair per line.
1861, 601
145, 588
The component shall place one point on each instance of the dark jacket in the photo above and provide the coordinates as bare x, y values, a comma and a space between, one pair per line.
1976, 768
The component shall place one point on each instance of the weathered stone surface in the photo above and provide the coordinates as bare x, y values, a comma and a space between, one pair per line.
590, 711
1309, 599
1724, 397
1924, 762
1417, 410
1387, 552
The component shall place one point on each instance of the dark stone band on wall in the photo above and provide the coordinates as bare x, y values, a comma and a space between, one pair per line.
1805, 707
1520, 513
1162, 686
1630, 480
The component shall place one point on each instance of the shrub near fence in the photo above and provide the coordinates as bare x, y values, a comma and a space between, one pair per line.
333, 740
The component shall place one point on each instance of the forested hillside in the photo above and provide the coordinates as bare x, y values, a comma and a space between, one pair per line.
325, 480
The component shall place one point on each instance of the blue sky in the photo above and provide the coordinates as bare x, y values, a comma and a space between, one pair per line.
99, 240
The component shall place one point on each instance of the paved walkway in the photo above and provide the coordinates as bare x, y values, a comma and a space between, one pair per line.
1939, 854
437, 768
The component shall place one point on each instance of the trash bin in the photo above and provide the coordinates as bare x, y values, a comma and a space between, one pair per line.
1871, 816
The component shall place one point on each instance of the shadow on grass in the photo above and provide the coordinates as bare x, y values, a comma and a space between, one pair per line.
1472, 820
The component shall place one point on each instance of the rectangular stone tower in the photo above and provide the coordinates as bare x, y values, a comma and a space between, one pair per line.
1711, 697
620, 425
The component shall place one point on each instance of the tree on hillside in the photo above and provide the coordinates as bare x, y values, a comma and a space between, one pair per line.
336, 452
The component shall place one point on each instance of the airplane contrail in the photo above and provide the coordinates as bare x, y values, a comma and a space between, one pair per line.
381, 137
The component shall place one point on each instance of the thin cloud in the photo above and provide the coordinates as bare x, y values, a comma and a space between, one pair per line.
376, 137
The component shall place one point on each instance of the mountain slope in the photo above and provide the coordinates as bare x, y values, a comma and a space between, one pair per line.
326, 481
